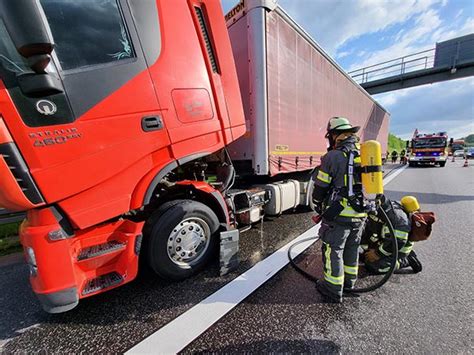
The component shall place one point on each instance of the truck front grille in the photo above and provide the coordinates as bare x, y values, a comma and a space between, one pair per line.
20, 171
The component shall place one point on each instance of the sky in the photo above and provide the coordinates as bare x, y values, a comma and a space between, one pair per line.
358, 33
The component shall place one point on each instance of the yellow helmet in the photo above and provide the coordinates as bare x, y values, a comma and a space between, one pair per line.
410, 204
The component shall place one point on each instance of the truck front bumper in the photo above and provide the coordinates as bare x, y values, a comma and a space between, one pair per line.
64, 269
427, 159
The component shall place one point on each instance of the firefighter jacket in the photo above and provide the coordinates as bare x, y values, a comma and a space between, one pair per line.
332, 176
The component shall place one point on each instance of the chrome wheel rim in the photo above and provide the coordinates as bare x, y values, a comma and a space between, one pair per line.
189, 241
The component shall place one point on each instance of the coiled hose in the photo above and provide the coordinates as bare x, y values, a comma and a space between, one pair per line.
387, 275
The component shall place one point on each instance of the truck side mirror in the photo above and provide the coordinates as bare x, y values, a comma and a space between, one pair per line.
28, 27
29, 30
451, 141
407, 144
42, 84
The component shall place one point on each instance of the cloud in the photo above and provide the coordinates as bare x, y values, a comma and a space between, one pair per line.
407, 41
447, 32
341, 55
335, 22
427, 29
445, 106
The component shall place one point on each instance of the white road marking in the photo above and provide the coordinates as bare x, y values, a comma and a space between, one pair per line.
180, 332
394, 175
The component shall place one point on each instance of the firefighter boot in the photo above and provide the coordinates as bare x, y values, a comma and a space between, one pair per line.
414, 262
403, 263
328, 296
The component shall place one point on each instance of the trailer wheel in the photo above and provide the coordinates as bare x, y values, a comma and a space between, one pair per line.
181, 239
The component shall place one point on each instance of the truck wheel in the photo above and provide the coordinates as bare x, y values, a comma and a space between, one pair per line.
411, 164
442, 164
181, 239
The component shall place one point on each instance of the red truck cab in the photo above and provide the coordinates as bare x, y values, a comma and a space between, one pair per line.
103, 107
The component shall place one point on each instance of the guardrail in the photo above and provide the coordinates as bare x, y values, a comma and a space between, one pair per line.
399, 66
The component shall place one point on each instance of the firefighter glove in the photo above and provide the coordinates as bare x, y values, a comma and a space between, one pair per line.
372, 256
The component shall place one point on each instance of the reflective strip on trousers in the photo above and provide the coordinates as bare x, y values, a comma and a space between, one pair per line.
327, 254
386, 269
351, 270
401, 234
335, 280
382, 250
407, 248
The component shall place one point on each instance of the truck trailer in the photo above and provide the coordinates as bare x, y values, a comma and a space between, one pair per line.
157, 131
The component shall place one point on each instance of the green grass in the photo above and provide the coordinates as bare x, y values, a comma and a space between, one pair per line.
395, 143
9, 240
8, 230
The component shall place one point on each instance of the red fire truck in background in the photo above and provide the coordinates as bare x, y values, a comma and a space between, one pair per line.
426, 149
153, 129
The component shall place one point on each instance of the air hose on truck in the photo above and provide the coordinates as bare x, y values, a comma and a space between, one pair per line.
372, 181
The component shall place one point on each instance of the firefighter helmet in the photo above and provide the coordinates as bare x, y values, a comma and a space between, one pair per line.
341, 124
410, 204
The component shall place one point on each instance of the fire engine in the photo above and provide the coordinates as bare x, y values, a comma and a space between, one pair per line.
428, 149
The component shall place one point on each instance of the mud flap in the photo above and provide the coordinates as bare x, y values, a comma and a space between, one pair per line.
229, 251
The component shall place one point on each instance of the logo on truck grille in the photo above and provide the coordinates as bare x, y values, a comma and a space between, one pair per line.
46, 107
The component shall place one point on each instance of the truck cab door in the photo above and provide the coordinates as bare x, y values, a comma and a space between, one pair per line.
105, 117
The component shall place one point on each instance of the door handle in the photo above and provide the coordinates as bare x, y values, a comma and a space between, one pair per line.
152, 123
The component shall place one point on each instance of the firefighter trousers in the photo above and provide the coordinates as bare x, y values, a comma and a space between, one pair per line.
340, 244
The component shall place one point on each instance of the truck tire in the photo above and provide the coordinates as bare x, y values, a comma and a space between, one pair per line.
180, 239
442, 164
411, 164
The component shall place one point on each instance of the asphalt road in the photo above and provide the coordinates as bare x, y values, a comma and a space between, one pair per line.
430, 312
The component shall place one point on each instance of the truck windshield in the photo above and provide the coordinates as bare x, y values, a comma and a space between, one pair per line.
429, 143
10, 59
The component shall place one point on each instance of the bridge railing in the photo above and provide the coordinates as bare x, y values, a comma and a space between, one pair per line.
399, 66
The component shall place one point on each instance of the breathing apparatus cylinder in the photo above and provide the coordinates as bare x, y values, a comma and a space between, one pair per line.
371, 165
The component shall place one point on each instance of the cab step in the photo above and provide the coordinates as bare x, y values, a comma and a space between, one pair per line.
101, 249
102, 282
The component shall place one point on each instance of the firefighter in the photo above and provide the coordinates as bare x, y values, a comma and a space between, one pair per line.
338, 198
394, 156
403, 156
378, 256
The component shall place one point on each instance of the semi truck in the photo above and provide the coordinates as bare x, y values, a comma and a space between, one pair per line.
428, 149
157, 131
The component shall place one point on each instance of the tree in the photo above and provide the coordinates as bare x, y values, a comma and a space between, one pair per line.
469, 139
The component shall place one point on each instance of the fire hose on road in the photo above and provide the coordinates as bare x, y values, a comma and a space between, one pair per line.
376, 285
391, 236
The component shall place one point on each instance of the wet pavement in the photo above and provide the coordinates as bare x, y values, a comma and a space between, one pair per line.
427, 313
423, 313
116, 320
